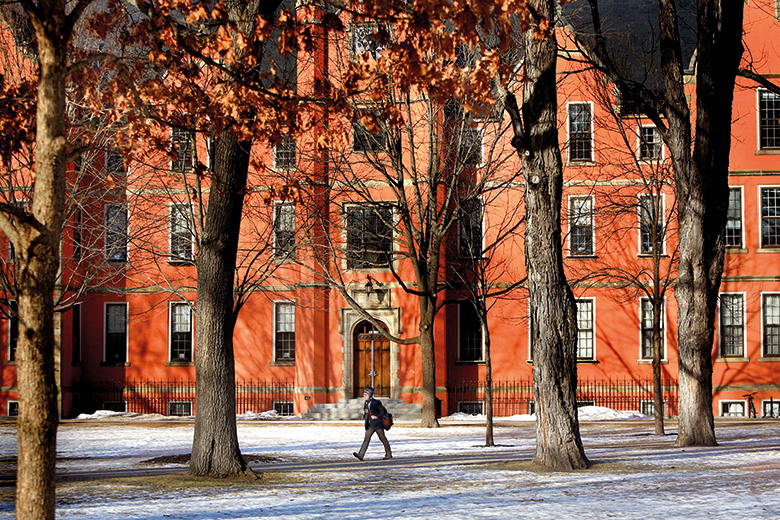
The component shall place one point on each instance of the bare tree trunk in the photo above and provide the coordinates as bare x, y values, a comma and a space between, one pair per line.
215, 450
37, 247
703, 207
553, 314
489, 441
428, 354
658, 396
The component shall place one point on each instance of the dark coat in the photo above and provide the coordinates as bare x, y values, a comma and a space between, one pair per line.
376, 408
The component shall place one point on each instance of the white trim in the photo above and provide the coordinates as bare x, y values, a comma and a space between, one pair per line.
664, 330
178, 401
568, 131
185, 210
743, 402
275, 305
570, 219
662, 211
592, 301
276, 166
194, 150
741, 190
759, 90
394, 217
127, 329
106, 226
8, 403
275, 254
762, 316
660, 143
720, 323
171, 305
759, 209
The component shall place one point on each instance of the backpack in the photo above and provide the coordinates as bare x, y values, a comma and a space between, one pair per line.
387, 418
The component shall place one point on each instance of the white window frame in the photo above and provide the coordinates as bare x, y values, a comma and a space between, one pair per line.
759, 91
105, 330
280, 255
572, 218
592, 329
568, 133
276, 305
473, 402
762, 297
175, 148
346, 220
8, 404
171, 306
482, 335
741, 215
664, 331
182, 209
662, 223
178, 402
651, 403
285, 167
277, 405
760, 209
659, 143
108, 229
721, 402
721, 346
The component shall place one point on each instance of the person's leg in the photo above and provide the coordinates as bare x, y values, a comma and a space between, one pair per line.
364, 446
383, 438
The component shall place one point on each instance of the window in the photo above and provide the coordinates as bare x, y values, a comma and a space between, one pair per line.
22, 204
770, 217
580, 225
648, 408
116, 333
116, 233
470, 229
369, 138
734, 218
12, 408
284, 331
470, 333
181, 332
580, 133
284, 231
771, 319
183, 148
369, 236
77, 238
651, 218
284, 154
768, 119
646, 305
470, 147
366, 40
283, 407
585, 329
76, 333
13, 329
732, 325
180, 408
650, 148
114, 406
732, 409
181, 233
115, 161
471, 407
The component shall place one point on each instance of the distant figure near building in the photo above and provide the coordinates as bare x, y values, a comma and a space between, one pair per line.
373, 413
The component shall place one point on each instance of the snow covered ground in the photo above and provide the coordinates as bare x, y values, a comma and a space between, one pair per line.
443, 473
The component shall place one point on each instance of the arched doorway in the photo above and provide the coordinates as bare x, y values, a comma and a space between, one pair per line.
371, 360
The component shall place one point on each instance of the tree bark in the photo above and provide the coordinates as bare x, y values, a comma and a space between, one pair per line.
703, 195
38, 257
428, 354
552, 307
215, 449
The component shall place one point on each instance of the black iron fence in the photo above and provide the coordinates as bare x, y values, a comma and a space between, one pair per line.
176, 397
516, 397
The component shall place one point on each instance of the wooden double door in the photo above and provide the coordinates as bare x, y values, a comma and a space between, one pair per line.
372, 357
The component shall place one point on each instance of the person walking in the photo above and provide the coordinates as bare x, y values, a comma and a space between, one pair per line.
373, 413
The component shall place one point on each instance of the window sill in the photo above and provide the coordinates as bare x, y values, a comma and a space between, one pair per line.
649, 256
120, 364
290, 363
650, 361
181, 261
10, 363
475, 362
589, 256
571, 162
736, 250
769, 359
588, 361
180, 364
768, 151
285, 260
734, 359
765, 249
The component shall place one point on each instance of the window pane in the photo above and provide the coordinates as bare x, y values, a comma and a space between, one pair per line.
284, 320
369, 237
470, 346
284, 231
647, 329
116, 233
734, 219
581, 225
649, 143
181, 232
181, 332
650, 223
770, 217
284, 154
585, 329
731, 324
116, 333
471, 229
470, 146
772, 325
579, 132
769, 119
183, 147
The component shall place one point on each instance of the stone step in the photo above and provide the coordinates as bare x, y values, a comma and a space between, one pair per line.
352, 409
